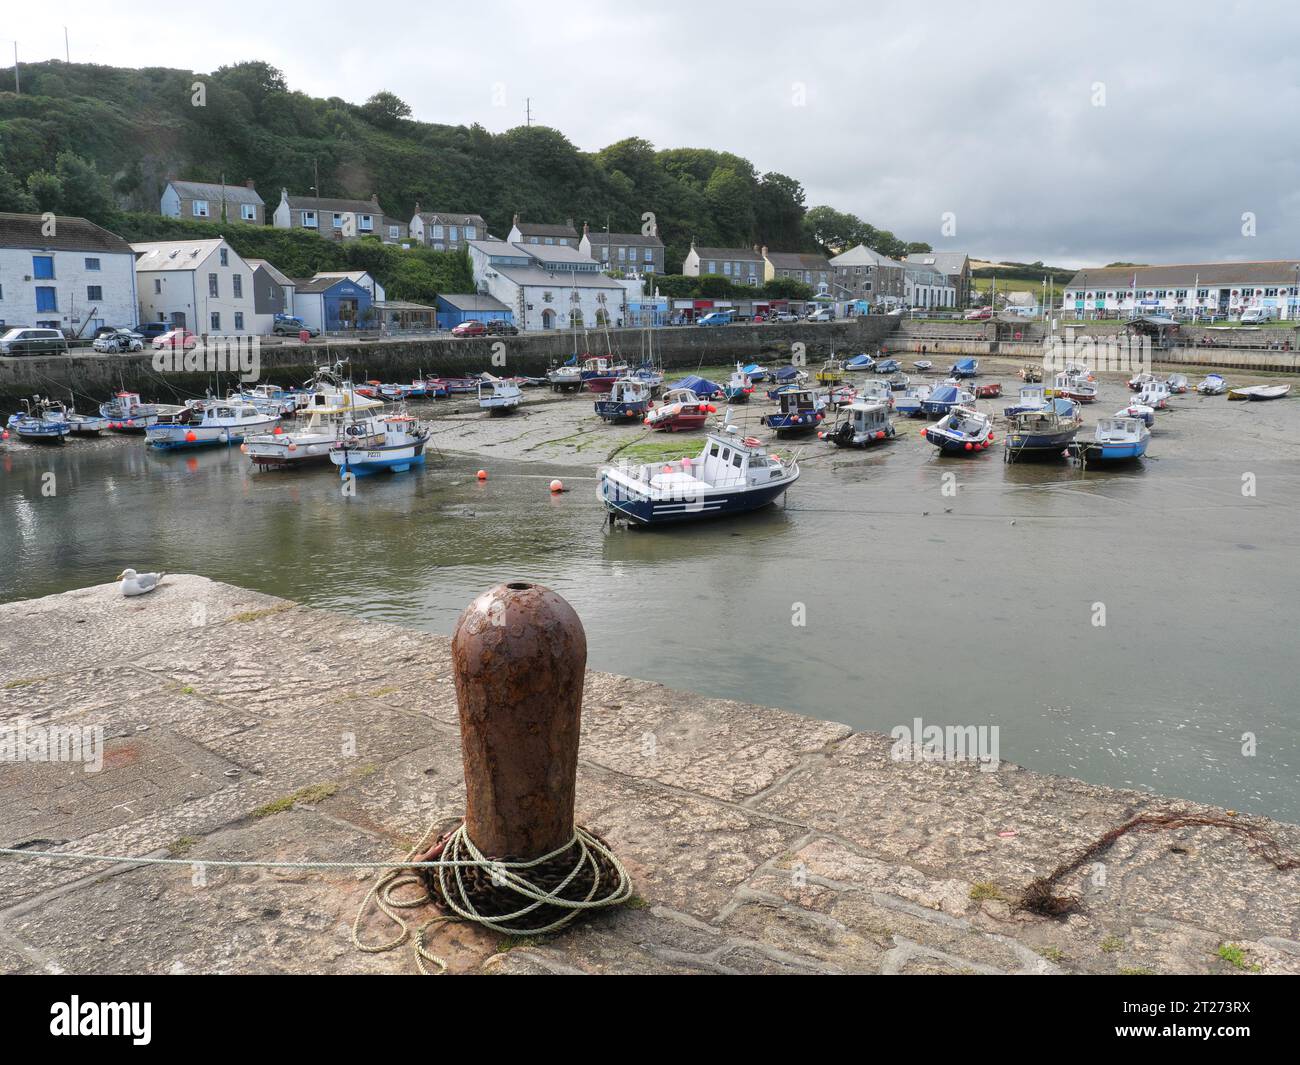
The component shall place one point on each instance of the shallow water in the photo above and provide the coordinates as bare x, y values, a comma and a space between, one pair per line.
973, 609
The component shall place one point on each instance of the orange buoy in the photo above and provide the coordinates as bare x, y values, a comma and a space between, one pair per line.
557, 485
969, 445
481, 475
190, 437
277, 431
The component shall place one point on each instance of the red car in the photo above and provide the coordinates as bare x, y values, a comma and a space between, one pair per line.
470, 328
176, 338
979, 314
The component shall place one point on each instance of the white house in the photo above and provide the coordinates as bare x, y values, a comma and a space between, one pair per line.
203, 201
740, 266
1187, 290
547, 286
542, 233
202, 285
924, 286
64, 273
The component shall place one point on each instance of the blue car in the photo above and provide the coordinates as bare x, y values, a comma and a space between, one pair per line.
715, 318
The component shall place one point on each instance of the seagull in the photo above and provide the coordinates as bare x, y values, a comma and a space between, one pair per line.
138, 583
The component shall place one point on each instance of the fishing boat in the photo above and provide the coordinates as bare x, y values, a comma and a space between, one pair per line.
39, 423
314, 432
360, 450
1031, 397
460, 386
924, 365
599, 372
369, 389
910, 402
963, 431
1177, 383
83, 424
943, 398
566, 378
965, 368
731, 475
888, 366
991, 390
832, 372
865, 422
881, 391
1213, 385
498, 396
1154, 394
393, 393
679, 409
627, 401
702, 387
739, 386
126, 414
1259, 392
899, 381
1077, 385
436, 388
1042, 433
208, 423
1140, 411
860, 362
270, 399
1115, 440
1031, 373
1139, 381
650, 376
800, 410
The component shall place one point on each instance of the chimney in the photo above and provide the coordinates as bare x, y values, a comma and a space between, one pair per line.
755, 249
585, 230
764, 251
515, 221
569, 222
417, 206
374, 198
249, 183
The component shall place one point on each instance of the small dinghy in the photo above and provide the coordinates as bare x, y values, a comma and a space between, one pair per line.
1177, 383
943, 398
730, 476
209, 424
739, 386
627, 401
964, 431
702, 387
1115, 440
1154, 394
860, 362
910, 402
679, 409
1259, 392
1139, 381
498, 396
965, 368
756, 373
866, 422
1146, 415
566, 378
801, 411
1213, 385
888, 366
988, 391
1032, 397
396, 448
84, 424
1043, 433
39, 423
1031, 373
923, 365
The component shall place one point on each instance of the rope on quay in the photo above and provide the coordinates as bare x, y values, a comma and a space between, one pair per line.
548, 902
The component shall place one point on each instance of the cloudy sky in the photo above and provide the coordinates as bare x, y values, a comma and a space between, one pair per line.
1080, 134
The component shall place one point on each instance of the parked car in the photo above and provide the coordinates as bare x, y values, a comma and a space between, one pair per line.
1256, 315
500, 327
979, 314
825, 314
176, 338
152, 330
116, 341
291, 325
33, 340
716, 318
470, 328
785, 316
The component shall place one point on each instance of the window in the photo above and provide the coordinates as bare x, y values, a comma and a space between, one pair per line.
451, 232
564, 241
43, 267
92, 264
199, 208
213, 288
309, 219
437, 232
47, 299
726, 269
367, 222
736, 460
237, 282
248, 212
338, 220
215, 319
224, 255
471, 232
392, 232
550, 240
649, 255
94, 293
239, 321
157, 286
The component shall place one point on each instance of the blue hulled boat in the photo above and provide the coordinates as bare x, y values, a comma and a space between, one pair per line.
963, 432
37, 422
801, 410
860, 362
1115, 440
943, 398
1043, 433
627, 401
965, 368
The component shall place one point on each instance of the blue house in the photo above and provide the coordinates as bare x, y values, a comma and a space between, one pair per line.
333, 304
462, 307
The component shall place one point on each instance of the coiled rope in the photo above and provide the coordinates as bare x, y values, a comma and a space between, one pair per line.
457, 854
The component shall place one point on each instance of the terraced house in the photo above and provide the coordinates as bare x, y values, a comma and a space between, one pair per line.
742, 266
628, 253
811, 269
204, 201
543, 233
337, 219
1188, 289
443, 231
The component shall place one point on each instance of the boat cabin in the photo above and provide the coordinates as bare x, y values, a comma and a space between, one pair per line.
798, 401
630, 390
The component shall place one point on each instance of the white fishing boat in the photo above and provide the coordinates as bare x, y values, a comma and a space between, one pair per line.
270, 399
37, 422
910, 403
1177, 383
1139, 381
1031, 397
313, 432
497, 395
680, 408
924, 365
1076, 384
731, 475
877, 390
1144, 414
1213, 385
865, 422
1154, 394
398, 447
208, 424
1115, 440
566, 378
125, 413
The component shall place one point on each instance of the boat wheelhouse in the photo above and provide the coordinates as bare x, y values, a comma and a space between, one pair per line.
679, 409
800, 410
627, 401
1031, 397
963, 431
1115, 440
861, 424
498, 396
731, 475
599, 372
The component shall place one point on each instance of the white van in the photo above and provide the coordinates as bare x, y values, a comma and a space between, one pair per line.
1258, 314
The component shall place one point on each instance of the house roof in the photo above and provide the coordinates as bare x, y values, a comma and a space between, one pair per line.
542, 229
1186, 275
741, 254
494, 247
946, 262
308, 286
276, 275
795, 260
446, 219
631, 240
361, 277
556, 253
311, 203
174, 254
473, 301
70, 234
209, 190
565, 279
863, 256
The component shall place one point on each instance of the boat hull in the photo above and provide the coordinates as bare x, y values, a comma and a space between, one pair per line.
793, 424
622, 412
179, 437
388, 458
1039, 445
651, 509
1125, 452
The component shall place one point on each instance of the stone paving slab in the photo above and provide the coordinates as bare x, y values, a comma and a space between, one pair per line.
759, 841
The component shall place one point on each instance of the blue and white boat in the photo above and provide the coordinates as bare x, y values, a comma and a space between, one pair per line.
127, 414
497, 395
865, 422
965, 368
1140, 411
1032, 397
755, 372
38, 422
880, 391
627, 401
702, 387
909, 403
964, 431
786, 378
730, 476
393, 443
739, 386
888, 366
1115, 440
860, 362
208, 424
943, 398
1042, 433
1213, 385
800, 410
650, 376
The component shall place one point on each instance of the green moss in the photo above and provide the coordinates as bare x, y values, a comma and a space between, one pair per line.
1136, 971
1051, 953
1112, 944
1237, 956
313, 793
22, 682
984, 889
181, 847
515, 942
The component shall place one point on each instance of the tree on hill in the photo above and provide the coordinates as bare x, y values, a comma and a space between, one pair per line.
386, 110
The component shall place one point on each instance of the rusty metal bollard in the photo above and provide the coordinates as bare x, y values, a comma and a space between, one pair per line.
520, 657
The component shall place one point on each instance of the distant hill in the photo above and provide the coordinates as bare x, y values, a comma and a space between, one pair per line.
96, 140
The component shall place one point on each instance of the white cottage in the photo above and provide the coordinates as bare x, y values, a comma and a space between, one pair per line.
202, 285
547, 286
